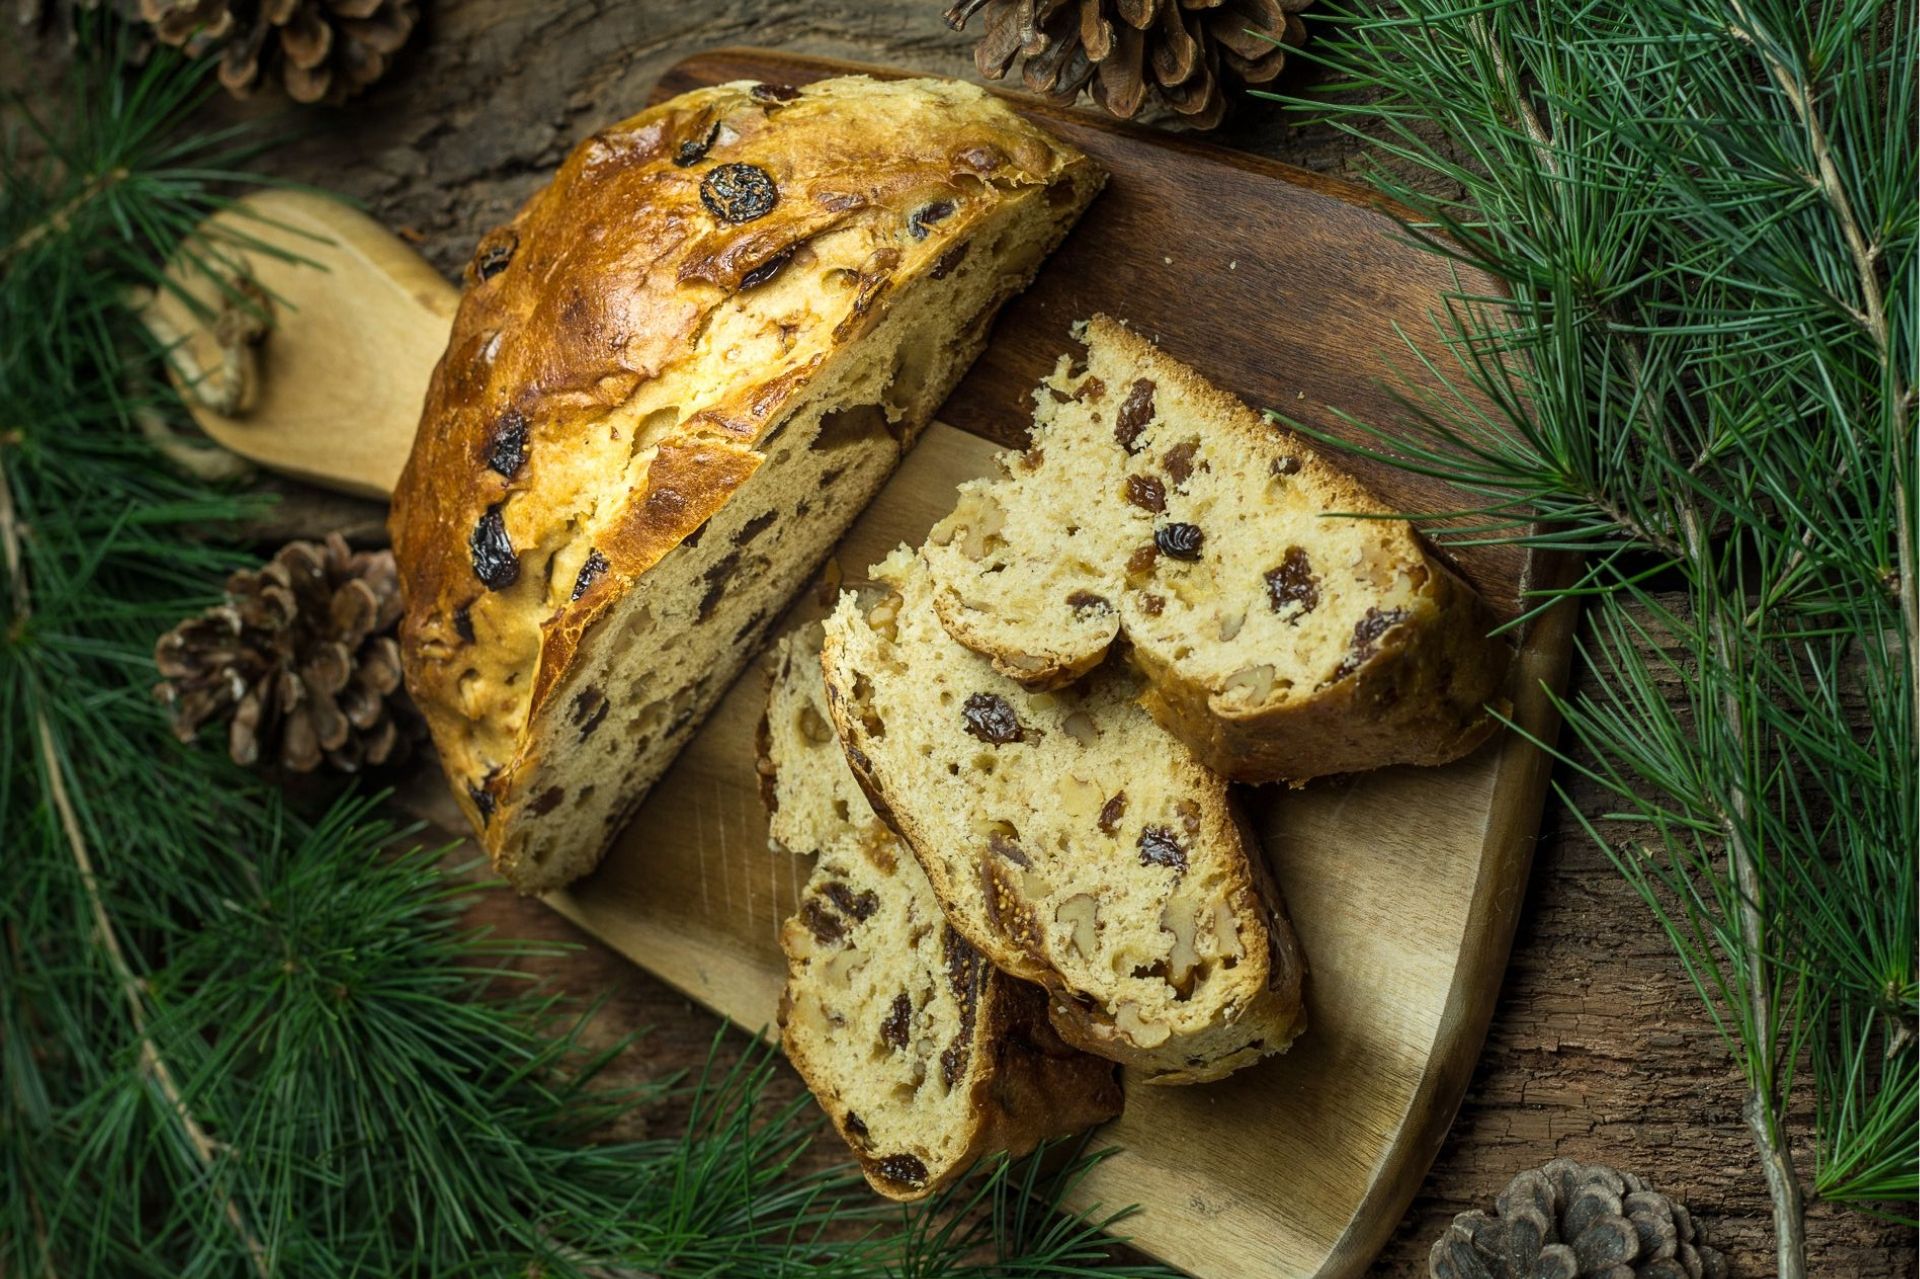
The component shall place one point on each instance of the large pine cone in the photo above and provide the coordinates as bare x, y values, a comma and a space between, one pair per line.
1183, 54
300, 662
1575, 1221
321, 49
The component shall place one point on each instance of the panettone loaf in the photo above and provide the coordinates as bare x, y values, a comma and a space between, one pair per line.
1280, 640
1070, 839
922, 1054
675, 376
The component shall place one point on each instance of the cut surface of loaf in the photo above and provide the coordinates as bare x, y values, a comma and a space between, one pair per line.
924, 1056
1279, 640
674, 378
1070, 839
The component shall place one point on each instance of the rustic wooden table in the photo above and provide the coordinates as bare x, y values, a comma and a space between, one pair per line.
1599, 1049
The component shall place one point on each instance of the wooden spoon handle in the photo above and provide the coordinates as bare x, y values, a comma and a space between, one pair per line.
331, 392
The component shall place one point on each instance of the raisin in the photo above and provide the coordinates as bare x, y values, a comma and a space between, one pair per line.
495, 254
943, 265
1159, 846
905, 1170
482, 801
1001, 846
774, 92
990, 719
692, 539
1153, 605
1366, 634
1135, 412
1284, 466
548, 800
859, 905
1140, 563
595, 565
1293, 582
463, 622
1179, 461
926, 215
1087, 602
825, 926
494, 562
1147, 493
588, 710
754, 527
1111, 812
738, 193
716, 579
893, 1028
1093, 390
694, 150
1179, 541
507, 448
768, 269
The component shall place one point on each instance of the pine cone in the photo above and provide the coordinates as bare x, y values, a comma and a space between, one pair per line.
321, 49
1183, 54
300, 662
1575, 1221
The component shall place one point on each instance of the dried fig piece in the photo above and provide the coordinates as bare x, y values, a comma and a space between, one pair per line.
893, 1028
992, 720
903, 1169
494, 561
739, 193
860, 906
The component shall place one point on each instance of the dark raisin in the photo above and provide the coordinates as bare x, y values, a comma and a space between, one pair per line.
1135, 412
944, 264
1147, 493
926, 215
738, 193
1159, 846
856, 1126
548, 800
694, 150
494, 562
588, 710
463, 622
716, 579
495, 254
1087, 601
1111, 812
507, 448
905, 1170
482, 801
1366, 634
1179, 541
595, 565
1179, 461
754, 527
774, 92
825, 926
990, 719
1285, 466
1001, 846
1293, 582
768, 269
893, 1027
859, 905
1153, 605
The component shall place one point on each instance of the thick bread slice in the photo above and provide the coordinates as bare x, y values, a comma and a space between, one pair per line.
674, 378
1070, 839
923, 1055
1279, 641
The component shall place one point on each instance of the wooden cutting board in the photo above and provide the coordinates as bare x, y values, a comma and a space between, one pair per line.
1289, 289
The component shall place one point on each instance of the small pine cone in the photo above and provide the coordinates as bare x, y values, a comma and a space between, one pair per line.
1575, 1221
322, 50
1181, 54
300, 662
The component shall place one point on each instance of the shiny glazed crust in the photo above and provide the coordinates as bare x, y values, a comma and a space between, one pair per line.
694, 282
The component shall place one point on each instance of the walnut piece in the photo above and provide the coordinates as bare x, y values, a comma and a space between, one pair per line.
1081, 913
1144, 1034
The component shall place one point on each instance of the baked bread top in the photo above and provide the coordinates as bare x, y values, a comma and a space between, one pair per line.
1288, 626
626, 340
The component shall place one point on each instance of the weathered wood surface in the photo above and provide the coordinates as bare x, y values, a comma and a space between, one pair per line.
1598, 1049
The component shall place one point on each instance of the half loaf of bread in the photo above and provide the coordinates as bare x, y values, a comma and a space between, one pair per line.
1286, 629
675, 376
923, 1055
1070, 839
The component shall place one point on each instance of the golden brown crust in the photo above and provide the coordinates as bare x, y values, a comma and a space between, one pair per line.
577, 430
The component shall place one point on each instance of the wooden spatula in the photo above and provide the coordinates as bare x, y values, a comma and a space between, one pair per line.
356, 322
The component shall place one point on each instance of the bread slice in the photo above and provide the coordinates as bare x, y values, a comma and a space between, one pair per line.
923, 1055
1070, 839
1280, 640
674, 379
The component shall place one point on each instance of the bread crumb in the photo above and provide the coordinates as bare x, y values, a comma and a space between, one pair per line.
1168, 261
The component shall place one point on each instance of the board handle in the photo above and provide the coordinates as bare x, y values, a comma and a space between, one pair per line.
302, 335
